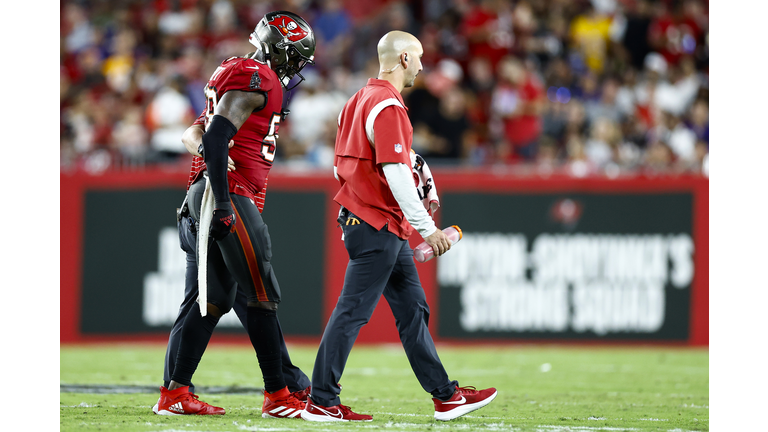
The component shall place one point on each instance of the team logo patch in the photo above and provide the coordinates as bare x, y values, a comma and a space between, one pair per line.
398, 148
255, 81
288, 28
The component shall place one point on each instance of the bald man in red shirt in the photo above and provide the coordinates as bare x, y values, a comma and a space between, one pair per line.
379, 211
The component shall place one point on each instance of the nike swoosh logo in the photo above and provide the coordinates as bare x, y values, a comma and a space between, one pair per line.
458, 402
338, 414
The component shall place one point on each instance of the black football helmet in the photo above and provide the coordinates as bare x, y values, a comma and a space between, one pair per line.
288, 44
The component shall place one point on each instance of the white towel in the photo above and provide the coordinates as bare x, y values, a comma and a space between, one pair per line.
206, 215
426, 188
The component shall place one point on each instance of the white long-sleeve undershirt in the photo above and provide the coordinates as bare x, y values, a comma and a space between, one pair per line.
400, 179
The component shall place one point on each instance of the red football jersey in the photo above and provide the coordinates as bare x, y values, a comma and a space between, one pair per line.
255, 141
374, 128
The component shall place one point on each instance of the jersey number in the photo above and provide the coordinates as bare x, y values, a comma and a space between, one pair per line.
270, 141
211, 100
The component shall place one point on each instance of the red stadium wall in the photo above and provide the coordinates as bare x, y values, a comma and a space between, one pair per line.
381, 327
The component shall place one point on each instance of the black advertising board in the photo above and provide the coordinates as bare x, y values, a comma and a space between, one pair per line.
567, 266
133, 267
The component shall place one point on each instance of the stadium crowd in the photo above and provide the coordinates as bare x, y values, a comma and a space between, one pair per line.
581, 87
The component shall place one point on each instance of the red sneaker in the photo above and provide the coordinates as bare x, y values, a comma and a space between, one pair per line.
463, 401
302, 395
338, 412
281, 404
182, 402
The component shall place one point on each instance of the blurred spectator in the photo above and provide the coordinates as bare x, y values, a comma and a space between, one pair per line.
677, 94
605, 106
698, 121
79, 32
423, 98
590, 32
518, 103
488, 32
680, 139
448, 128
311, 109
131, 138
168, 116
546, 42
677, 28
118, 67
657, 158
575, 121
332, 26
577, 163
603, 141
635, 36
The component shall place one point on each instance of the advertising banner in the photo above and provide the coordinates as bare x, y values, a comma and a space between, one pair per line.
133, 266
568, 266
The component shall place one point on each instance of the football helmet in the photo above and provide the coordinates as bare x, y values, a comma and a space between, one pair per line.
288, 44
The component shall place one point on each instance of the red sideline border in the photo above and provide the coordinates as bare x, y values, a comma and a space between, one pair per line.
381, 328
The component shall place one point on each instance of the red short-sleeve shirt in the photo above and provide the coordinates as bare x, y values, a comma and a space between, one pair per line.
374, 128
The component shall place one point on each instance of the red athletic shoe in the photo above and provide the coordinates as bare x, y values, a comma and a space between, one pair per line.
182, 402
463, 401
281, 404
339, 412
302, 395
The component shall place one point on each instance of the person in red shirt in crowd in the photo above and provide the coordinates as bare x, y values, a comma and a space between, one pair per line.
244, 103
518, 101
677, 30
487, 35
379, 211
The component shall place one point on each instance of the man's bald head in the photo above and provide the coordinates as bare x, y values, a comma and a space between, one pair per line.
398, 48
394, 43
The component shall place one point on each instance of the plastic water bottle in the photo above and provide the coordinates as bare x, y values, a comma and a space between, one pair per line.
423, 252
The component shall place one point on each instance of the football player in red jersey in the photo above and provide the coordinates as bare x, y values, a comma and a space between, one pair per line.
379, 211
244, 103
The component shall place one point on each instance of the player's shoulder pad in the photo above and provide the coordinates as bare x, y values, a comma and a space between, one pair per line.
260, 76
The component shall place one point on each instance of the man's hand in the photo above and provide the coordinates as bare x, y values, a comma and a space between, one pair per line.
230, 162
439, 241
223, 222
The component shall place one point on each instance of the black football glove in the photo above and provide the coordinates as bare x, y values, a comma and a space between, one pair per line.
223, 222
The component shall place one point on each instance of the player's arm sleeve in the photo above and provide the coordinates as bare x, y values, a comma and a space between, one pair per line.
216, 151
400, 179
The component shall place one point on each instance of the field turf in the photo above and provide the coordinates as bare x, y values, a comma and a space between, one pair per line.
541, 388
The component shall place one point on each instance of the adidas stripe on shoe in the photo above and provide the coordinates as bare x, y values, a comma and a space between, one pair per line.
281, 404
181, 402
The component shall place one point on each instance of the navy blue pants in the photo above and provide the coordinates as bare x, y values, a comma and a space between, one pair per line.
380, 263
295, 378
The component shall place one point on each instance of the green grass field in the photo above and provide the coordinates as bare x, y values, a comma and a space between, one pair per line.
541, 388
